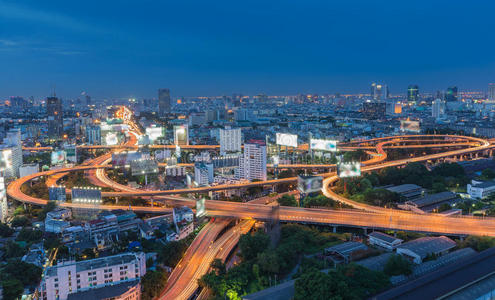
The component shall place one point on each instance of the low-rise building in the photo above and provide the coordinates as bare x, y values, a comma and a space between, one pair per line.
407, 191
480, 189
73, 277
383, 240
128, 290
417, 250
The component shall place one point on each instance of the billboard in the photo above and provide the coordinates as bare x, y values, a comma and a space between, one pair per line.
285, 139
352, 169
409, 126
200, 207
86, 195
143, 167
58, 157
111, 139
275, 160
323, 145
309, 184
123, 159
181, 135
155, 133
71, 153
177, 151
5, 159
57, 193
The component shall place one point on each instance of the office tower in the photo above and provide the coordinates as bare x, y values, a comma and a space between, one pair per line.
437, 108
451, 94
181, 135
4, 208
55, 117
230, 140
13, 140
379, 91
491, 92
203, 173
413, 93
374, 109
93, 134
163, 102
71, 277
253, 163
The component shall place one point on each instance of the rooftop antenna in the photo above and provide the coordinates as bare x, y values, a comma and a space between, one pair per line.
53, 90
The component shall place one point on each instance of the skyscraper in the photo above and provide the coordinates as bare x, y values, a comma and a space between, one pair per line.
437, 108
253, 163
413, 93
55, 117
379, 91
163, 102
451, 94
230, 140
491, 92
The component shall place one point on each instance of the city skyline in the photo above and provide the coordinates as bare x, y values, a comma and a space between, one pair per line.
228, 48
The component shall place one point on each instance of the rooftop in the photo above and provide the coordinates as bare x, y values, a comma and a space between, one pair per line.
107, 292
384, 237
428, 245
434, 199
404, 188
96, 263
347, 248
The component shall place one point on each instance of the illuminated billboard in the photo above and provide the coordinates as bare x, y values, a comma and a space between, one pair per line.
352, 169
58, 157
155, 133
71, 153
5, 159
200, 207
285, 139
409, 126
323, 145
86, 195
309, 184
275, 160
181, 135
143, 167
111, 139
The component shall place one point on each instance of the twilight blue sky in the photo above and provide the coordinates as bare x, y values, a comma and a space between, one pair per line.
131, 48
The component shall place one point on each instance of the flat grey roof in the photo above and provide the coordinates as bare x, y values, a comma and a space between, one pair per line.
106, 292
376, 263
404, 188
427, 245
347, 247
384, 237
434, 199
96, 263
282, 291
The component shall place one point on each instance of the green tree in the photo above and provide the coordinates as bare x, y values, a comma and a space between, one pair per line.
12, 289
488, 174
12, 249
30, 235
397, 265
153, 283
478, 243
287, 200
5, 230
252, 244
20, 221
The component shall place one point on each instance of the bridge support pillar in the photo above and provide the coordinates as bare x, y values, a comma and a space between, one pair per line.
116, 200
334, 229
365, 229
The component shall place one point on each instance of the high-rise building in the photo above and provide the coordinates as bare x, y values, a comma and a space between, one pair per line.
93, 134
437, 108
451, 94
253, 163
163, 102
55, 117
413, 93
491, 92
13, 142
374, 109
230, 140
181, 135
203, 173
70, 277
379, 91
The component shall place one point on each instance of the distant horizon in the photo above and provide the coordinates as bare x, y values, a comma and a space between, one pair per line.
221, 48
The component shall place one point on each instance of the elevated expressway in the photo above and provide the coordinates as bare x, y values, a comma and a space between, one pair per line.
365, 216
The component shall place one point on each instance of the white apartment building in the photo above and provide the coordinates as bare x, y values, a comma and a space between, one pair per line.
28, 169
230, 140
71, 277
253, 163
203, 173
480, 189
11, 151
